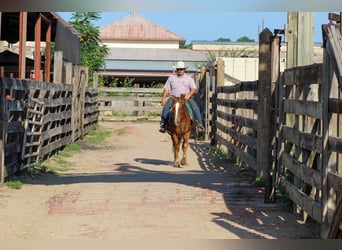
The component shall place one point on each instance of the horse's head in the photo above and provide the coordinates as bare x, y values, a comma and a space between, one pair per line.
176, 109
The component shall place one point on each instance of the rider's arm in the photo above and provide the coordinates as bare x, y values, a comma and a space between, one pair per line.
191, 93
165, 94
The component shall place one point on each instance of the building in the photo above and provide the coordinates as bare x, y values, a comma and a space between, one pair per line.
145, 51
26, 44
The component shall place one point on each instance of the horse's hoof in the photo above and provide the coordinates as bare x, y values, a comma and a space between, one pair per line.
183, 162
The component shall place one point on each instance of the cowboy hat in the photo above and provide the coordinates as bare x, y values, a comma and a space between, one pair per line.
180, 65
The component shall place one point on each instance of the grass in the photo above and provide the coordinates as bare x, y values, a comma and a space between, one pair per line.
97, 135
38, 168
14, 184
120, 131
222, 154
216, 151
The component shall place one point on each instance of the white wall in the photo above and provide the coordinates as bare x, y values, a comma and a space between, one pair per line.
243, 69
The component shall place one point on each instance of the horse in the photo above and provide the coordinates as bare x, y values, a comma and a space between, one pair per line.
179, 128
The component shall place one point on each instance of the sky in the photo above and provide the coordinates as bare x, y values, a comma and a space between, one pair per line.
211, 25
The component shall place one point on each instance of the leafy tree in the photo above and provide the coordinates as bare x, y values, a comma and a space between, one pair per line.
221, 39
93, 52
245, 39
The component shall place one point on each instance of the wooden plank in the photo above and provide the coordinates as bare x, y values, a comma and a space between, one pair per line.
242, 104
245, 157
128, 98
298, 107
335, 105
130, 90
3, 129
66, 128
335, 144
308, 175
239, 87
53, 146
239, 121
128, 118
335, 181
264, 160
312, 207
303, 75
242, 139
14, 127
22, 44
336, 224
305, 140
129, 108
12, 148
334, 47
57, 117
58, 67
15, 84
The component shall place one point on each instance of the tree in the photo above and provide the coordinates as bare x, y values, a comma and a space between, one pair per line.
93, 52
245, 39
221, 39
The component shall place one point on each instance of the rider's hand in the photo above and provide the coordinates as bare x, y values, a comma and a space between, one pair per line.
187, 97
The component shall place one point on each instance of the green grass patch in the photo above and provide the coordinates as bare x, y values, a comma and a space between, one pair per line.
97, 135
216, 151
15, 184
38, 168
120, 131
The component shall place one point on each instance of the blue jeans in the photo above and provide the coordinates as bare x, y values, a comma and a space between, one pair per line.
166, 109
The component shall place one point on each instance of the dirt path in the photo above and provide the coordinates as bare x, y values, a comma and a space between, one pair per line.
127, 188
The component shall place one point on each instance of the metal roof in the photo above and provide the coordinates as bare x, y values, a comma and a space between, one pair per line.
135, 27
149, 66
157, 54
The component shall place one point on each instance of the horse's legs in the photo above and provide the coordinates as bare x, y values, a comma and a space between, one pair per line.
175, 141
185, 147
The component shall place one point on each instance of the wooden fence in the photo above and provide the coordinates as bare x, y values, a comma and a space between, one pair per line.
38, 119
124, 104
286, 126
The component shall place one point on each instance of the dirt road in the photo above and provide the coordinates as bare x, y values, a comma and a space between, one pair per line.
127, 188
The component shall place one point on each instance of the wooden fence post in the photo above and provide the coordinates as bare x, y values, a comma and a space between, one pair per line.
213, 90
220, 72
330, 126
264, 161
68, 73
95, 80
58, 67
3, 128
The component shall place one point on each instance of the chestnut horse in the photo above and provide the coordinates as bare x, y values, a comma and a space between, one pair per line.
179, 128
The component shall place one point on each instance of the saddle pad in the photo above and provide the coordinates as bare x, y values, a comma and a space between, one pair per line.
188, 107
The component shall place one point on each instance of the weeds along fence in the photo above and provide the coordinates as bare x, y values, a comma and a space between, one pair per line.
286, 126
129, 104
38, 119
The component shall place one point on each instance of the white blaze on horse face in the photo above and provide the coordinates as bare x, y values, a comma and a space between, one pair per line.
176, 114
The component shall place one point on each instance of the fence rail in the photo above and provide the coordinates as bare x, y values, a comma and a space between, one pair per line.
38, 119
286, 126
129, 103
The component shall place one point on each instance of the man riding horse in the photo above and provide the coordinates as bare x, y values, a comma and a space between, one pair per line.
176, 85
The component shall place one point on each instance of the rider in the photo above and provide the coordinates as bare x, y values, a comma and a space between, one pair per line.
176, 85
